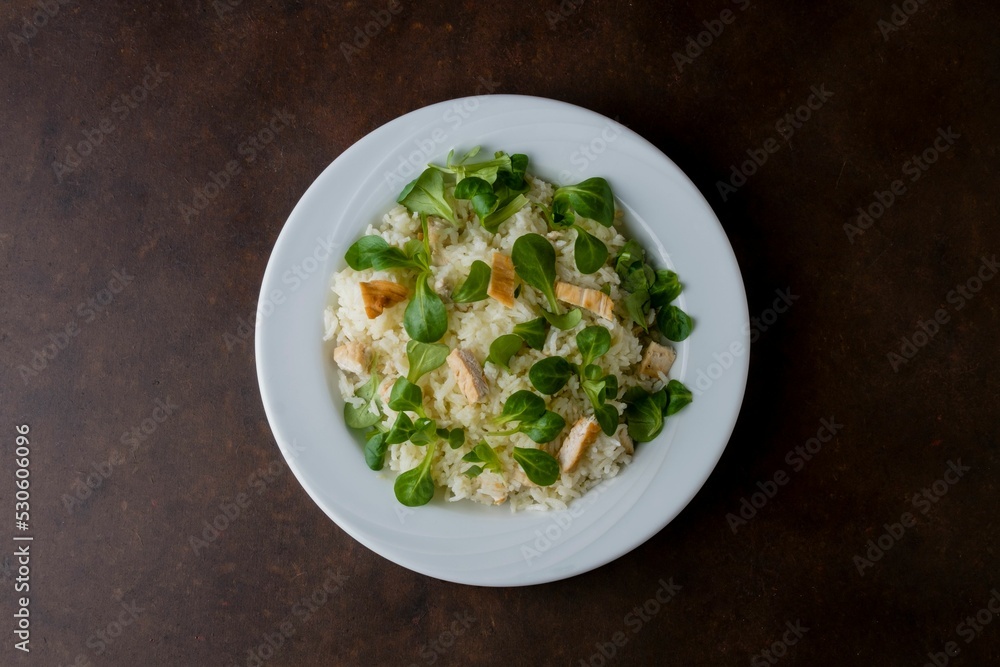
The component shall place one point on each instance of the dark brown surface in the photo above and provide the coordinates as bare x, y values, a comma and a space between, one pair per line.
164, 336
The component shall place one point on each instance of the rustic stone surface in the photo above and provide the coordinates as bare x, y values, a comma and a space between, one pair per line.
217, 77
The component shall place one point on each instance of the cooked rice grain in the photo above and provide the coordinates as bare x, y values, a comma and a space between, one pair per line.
473, 327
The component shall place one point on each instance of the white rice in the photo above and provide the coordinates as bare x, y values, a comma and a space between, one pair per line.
473, 327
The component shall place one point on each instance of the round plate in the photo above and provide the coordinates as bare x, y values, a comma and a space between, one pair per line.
464, 542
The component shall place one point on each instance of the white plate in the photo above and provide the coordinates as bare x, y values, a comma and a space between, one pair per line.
464, 542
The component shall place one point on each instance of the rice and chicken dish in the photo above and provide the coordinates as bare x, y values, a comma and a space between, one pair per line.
500, 337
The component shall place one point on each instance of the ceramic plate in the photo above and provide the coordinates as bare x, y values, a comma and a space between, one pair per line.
461, 541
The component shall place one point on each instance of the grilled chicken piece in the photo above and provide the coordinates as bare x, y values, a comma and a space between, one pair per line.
581, 436
596, 302
469, 375
491, 485
381, 294
657, 359
502, 280
435, 232
351, 358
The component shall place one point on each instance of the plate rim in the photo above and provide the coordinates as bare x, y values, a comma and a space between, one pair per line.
263, 356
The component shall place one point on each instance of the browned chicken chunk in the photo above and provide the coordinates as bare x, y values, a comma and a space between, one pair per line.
381, 294
581, 436
468, 374
593, 300
350, 357
502, 280
657, 359
492, 486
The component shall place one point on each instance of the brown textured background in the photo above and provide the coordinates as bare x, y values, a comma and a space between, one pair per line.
196, 280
